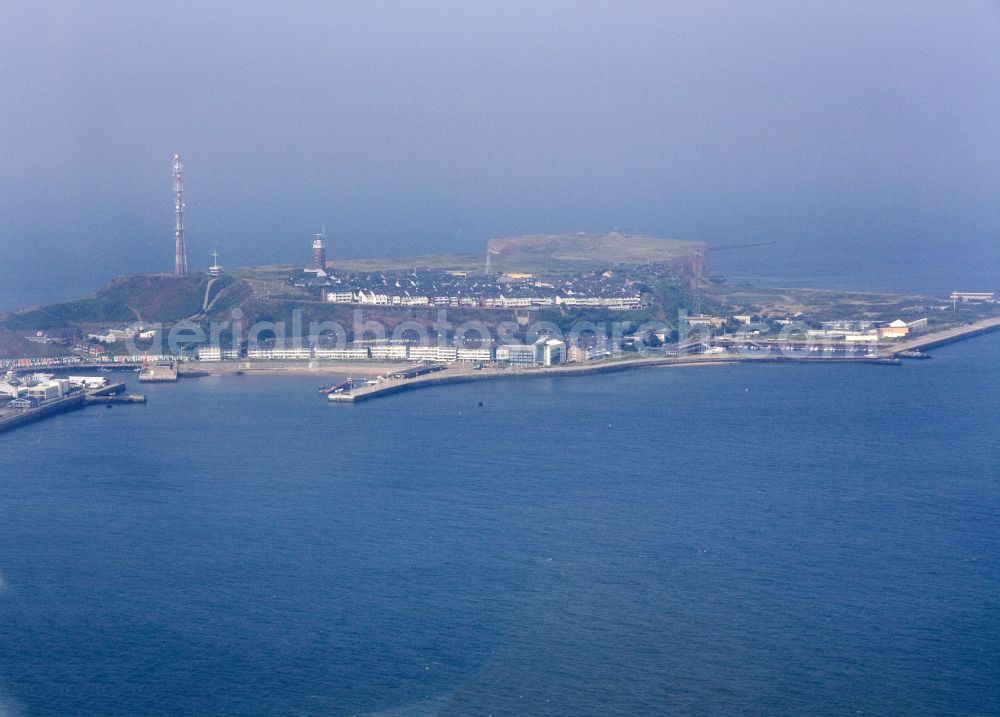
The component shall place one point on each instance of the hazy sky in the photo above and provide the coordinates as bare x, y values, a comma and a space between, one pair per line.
847, 132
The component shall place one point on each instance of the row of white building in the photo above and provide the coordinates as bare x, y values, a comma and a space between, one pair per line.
126, 333
371, 298
544, 352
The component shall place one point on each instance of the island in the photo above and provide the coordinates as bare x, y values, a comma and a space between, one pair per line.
538, 305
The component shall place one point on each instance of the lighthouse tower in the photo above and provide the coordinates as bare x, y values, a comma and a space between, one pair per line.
319, 251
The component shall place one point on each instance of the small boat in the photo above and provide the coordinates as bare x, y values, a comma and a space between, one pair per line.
913, 354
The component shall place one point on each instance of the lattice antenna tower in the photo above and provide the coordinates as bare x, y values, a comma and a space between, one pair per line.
180, 251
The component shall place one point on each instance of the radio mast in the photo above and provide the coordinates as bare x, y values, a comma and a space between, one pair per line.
180, 252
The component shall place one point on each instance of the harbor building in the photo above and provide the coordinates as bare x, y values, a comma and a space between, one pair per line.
11, 389
845, 325
550, 352
895, 330
964, 296
516, 355
48, 390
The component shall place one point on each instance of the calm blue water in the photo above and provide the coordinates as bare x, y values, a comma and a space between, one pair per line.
749, 540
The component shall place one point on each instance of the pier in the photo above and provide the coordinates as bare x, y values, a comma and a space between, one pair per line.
158, 374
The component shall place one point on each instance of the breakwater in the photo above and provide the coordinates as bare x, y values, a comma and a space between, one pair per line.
30, 415
116, 398
464, 375
940, 338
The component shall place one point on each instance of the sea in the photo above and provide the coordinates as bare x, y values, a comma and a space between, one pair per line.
718, 540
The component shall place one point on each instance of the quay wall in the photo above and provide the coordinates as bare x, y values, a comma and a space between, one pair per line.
940, 338
36, 414
449, 377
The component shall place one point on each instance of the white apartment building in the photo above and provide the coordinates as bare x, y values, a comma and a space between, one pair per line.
516, 354
388, 352
480, 354
433, 353
345, 354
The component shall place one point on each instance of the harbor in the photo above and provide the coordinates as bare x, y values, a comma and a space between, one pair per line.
46, 396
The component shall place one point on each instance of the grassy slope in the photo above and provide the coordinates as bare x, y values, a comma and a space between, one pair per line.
558, 252
160, 297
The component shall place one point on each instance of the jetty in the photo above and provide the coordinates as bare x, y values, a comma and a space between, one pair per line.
116, 397
159, 373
